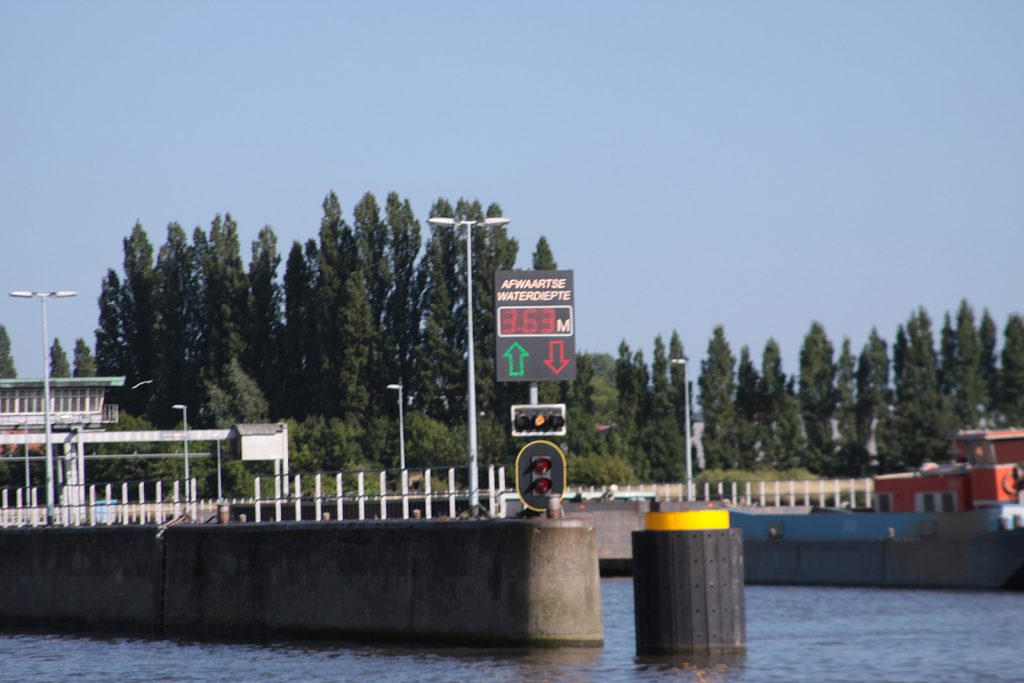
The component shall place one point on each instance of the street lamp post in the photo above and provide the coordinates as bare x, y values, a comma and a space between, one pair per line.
684, 361
43, 296
184, 418
401, 424
474, 483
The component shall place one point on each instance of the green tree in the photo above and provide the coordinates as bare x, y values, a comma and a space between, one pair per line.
261, 359
717, 392
299, 362
85, 364
137, 309
111, 348
922, 417
236, 399
543, 258
987, 334
853, 458
178, 299
969, 397
373, 244
402, 322
440, 360
59, 366
873, 399
226, 292
818, 399
7, 369
1011, 402
749, 405
661, 438
781, 431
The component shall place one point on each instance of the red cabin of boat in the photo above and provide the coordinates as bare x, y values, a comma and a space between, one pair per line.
988, 470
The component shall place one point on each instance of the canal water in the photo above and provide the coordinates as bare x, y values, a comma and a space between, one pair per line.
793, 634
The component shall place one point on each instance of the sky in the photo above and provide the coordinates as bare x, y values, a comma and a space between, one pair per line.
747, 164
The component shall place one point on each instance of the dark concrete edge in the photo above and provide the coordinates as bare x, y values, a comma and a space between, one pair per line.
296, 636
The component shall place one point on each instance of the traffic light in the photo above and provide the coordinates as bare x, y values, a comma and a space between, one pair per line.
538, 420
540, 474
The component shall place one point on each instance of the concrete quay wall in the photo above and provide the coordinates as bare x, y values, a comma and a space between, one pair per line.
100, 578
498, 583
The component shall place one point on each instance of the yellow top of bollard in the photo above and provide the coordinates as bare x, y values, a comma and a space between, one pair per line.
694, 520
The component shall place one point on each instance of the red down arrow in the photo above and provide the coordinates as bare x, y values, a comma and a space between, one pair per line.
556, 365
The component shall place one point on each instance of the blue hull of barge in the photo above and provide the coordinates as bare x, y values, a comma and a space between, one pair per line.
982, 549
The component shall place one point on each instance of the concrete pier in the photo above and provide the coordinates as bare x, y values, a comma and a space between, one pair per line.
494, 583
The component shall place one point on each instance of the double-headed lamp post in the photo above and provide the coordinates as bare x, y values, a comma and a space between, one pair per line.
43, 296
401, 424
184, 418
684, 361
474, 482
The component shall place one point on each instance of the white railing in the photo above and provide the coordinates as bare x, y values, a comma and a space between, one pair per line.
405, 494
836, 493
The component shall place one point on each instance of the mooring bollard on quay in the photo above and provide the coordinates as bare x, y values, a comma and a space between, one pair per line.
688, 584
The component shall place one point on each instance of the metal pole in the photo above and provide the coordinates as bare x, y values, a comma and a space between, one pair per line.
184, 418
474, 485
401, 427
46, 419
220, 494
689, 452
28, 481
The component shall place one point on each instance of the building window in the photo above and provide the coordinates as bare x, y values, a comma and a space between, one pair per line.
937, 501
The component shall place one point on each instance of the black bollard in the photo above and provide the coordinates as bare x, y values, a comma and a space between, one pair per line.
688, 584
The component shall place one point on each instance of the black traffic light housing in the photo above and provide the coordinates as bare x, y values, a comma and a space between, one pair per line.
540, 474
546, 419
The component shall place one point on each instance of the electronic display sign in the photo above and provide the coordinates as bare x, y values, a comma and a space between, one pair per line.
535, 325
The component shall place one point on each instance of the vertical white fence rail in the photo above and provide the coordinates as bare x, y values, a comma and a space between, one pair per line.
451, 492
258, 510
428, 506
340, 491
361, 495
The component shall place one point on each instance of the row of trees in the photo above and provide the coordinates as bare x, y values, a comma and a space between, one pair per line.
373, 303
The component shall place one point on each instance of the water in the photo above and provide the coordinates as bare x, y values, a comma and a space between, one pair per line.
793, 634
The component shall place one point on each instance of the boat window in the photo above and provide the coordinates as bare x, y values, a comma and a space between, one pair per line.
929, 502
948, 502
885, 502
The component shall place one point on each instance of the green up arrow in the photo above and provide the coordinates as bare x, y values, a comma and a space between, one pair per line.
516, 353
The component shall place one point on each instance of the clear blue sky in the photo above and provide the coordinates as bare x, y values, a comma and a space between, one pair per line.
759, 165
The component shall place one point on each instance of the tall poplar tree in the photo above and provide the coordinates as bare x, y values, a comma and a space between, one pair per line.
261, 319
969, 397
717, 394
59, 366
180, 326
84, 362
661, 438
852, 456
987, 368
817, 398
7, 369
402, 321
543, 258
226, 291
748, 408
440, 359
781, 433
873, 399
922, 417
1011, 397
299, 364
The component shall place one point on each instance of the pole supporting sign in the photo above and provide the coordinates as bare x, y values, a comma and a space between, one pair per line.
535, 324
